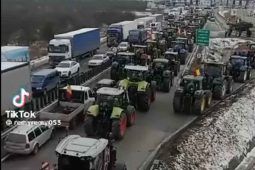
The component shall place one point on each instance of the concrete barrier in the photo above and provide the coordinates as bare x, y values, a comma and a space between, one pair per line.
45, 59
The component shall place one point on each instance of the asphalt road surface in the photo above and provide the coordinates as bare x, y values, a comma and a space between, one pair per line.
140, 140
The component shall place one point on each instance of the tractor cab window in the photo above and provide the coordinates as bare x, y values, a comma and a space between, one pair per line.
213, 70
70, 163
235, 61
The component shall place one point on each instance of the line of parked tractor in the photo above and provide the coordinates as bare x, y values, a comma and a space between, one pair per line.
138, 70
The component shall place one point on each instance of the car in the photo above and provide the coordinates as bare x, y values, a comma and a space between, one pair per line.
27, 139
98, 60
123, 46
44, 80
67, 68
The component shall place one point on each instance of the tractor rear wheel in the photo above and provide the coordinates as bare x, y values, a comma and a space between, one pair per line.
144, 100
199, 105
249, 75
119, 126
177, 103
89, 126
230, 86
166, 85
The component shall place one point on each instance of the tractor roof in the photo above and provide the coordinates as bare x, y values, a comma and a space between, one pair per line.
136, 68
77, 88
214, 62
105, 81
238, 57
171, 52
161, 60
192, 77
126, 53
140, 46
110, 91
77, 146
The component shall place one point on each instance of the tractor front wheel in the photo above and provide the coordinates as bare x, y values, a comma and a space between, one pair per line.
199, 105
144, 100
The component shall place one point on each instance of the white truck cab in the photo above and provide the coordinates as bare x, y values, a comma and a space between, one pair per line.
59, 50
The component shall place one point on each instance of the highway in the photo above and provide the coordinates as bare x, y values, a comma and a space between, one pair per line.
140, 140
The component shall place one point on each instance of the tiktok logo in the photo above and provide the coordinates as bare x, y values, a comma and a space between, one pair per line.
20, 100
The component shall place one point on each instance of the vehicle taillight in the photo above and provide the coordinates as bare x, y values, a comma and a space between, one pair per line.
27, 145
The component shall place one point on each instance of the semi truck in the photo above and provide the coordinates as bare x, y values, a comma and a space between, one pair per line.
71, 106
144, 22
118, 32
137, 36
15, 80
158, 17
73, 44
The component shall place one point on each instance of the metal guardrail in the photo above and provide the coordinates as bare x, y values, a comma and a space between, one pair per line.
43, 101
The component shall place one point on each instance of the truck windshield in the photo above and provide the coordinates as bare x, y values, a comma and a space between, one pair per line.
71, 163
58, 49
37, 79
17, 138
213, 70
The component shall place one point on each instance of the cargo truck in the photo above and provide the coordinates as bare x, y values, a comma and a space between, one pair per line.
71, 106
144, 22
73, 44
15, 76
118, 32
137, 36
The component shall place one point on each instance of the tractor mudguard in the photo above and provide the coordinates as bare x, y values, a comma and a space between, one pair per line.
142, 86
116, 112
93, 110
124, 84
198, 93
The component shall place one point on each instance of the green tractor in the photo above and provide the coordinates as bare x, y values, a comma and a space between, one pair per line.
216, 79
118, 64
141, 90
189, 45
174, 61
190, 96
162, 74
112, 113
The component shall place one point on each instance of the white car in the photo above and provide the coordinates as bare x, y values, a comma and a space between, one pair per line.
26, 139
98, 60
123, 46
67, 68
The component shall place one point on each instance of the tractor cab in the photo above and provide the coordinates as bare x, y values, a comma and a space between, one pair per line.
137, 73
160, 64
188, 43
214, 69
141, 53
79, 153
191, 83
174, 61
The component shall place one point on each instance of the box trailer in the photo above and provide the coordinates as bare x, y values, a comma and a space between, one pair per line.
14, 77
144, 22
119, 32
73, 44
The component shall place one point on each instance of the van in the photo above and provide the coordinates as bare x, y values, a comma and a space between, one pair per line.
44, 80
26, 139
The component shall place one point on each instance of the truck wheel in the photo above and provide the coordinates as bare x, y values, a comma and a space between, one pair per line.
119, 126
120, 166
36, 149
199, 105
89, 126
243, 76
208, 98
166, 85
177, 103
144, 100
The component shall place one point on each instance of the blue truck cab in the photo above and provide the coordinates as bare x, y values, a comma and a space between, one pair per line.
137, 36
44, 80
114, 35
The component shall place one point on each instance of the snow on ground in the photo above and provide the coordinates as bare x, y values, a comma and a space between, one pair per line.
222, 137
